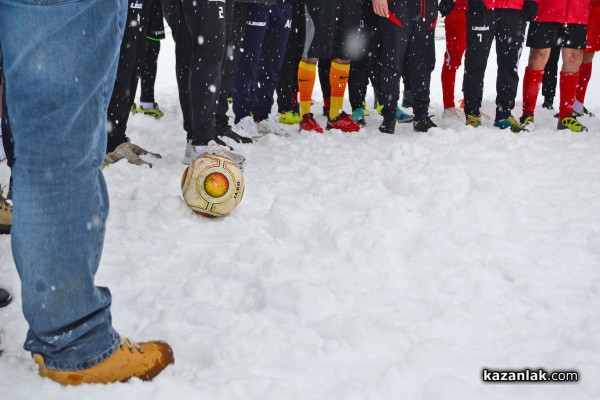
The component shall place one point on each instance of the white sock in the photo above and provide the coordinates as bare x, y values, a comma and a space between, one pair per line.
146, 105
578, 107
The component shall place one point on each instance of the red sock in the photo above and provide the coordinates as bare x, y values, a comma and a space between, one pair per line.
585, 73
568, 88
448, 82
531, 87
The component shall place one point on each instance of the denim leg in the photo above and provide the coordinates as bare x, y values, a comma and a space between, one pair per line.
274, 46
60, 59
247, 70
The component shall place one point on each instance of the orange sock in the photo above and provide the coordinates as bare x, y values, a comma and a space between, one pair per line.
306, 82
338, 79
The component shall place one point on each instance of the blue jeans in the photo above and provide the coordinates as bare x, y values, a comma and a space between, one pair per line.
265, 42
60, 60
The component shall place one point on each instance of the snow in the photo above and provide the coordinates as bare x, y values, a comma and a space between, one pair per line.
357, 266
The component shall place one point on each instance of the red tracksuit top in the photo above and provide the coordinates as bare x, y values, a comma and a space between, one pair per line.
563, 11
514, 4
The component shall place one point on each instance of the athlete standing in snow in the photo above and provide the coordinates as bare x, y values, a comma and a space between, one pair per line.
332, 27
268, 26
200, 33
407, 25
592, 46
503, 21
455, 25
563, 22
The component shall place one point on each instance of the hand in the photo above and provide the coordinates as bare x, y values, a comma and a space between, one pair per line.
380, 7
530, 10
445, 7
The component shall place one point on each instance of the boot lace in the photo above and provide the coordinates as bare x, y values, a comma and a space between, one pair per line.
131, 345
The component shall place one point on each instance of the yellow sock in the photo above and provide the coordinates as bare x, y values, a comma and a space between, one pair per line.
306, 81
338, 78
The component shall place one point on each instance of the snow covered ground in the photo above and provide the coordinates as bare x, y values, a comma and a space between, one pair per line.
357, 266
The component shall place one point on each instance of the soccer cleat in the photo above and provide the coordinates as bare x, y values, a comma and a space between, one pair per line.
5, 299
548, 104
141, 151
231, 134
155, 111
247, 126
403, 117
527, 123
423, 125
379, 109
270, 126
509, 123
131, 360
388, 125
289, 118
133, 108
215, 147
309, 124
6, 212
473, 120
344, 123
365, 109
451, 112
358, 116
571, 123
585, 112
130, 152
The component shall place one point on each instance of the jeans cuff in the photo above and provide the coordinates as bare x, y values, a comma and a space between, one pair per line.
81, 365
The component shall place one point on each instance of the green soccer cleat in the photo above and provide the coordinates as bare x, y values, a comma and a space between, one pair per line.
509, 123
473, 120
571, 123
153, 112
289, 118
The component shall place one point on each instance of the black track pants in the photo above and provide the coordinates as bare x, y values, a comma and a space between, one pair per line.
508, 28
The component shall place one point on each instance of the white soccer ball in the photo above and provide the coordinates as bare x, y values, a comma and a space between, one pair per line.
212, 185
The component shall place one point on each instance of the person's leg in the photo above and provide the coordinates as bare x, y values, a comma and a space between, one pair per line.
173, 11
61, 201
207, 25
242, 90
272, 56
357, 83
480, 35
510, 33
585, 74
569, 75
422, 55
287, 86
236, 22
324, 68
155, 33
393, 51
456, 44
148, 71
130, 56
550, 79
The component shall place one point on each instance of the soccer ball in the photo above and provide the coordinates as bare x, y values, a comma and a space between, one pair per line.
212, 185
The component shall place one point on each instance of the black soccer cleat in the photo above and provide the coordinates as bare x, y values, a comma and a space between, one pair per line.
423, 125
388, 125
233, 135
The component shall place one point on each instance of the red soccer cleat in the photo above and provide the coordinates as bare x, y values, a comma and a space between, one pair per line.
309, 124
344, 123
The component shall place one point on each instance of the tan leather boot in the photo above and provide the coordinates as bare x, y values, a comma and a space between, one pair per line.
131, 360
